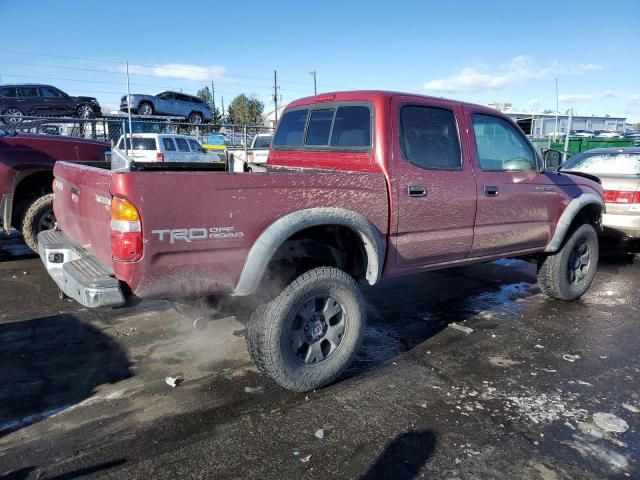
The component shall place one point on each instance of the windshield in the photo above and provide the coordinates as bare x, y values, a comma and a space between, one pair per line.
617, 163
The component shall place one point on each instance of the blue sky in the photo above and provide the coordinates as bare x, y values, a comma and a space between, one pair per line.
476, 51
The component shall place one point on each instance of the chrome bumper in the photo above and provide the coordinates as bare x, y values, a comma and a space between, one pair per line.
77, 273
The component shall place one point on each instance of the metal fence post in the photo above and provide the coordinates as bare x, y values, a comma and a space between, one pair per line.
246, 153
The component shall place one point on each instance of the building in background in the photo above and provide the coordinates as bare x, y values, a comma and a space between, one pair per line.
544, 124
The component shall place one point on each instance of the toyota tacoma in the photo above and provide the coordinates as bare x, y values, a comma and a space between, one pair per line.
360, 186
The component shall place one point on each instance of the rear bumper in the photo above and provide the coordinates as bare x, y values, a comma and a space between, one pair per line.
626, 225
77, 273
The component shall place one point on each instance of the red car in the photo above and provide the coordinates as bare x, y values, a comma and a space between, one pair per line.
360, 186
26, 176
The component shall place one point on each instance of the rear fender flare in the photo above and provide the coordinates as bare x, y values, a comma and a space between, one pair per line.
279, 231
569, 215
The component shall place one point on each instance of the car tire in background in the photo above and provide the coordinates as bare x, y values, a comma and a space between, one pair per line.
145, 108
85, 111
309, 334
37, 217
195, 117
568, 273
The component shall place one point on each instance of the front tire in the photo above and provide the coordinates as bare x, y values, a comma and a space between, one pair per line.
37, 218
568, 273
85, 111
309, 334
145, 108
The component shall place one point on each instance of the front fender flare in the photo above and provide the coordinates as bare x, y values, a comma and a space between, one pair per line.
279, 231
569, 215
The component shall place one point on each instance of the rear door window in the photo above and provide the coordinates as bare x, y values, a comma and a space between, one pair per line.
50, 92
319, 127
168, 144
195, 146
183, 145
291, 129
352, 127
27, 91
429, 137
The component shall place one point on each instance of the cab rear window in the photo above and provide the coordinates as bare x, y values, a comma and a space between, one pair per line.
291, 129
326, 126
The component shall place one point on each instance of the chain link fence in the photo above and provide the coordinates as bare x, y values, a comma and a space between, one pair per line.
111, 128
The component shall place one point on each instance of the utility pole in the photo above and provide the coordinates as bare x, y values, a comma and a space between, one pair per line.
275, 93
128, 113
315, 85
222, 109
213, 99
555, 132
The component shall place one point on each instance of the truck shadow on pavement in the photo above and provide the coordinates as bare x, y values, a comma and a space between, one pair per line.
12, 247
403, 457
50, 364
405, 312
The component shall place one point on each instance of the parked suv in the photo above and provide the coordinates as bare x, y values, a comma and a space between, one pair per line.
177, 104
167, 148
17, 101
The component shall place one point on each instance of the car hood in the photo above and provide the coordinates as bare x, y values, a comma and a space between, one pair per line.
86, 99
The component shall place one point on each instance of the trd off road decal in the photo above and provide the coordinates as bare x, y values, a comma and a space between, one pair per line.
174, 235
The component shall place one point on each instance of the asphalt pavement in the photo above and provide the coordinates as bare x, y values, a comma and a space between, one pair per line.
465, 373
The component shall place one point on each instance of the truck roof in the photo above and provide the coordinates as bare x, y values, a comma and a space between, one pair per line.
368, 95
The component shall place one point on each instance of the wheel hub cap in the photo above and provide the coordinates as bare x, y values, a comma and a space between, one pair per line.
317, 329
579, 262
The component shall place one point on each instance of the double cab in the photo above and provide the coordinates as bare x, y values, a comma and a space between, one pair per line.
360, 186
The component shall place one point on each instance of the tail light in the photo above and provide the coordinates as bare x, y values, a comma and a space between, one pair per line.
126, 231
621, 196
160, 157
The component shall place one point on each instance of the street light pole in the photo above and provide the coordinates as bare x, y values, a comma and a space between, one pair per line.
315, 85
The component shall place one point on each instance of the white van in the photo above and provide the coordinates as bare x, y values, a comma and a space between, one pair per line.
167, 148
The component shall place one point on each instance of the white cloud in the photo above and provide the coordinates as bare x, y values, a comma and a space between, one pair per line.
179, 70
587, 97
576, 98
520, 69
585, 67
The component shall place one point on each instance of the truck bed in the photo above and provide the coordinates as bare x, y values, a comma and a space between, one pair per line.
234, 208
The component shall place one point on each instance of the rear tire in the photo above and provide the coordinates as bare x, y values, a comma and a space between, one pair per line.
37, 218
13, 116
196, 118
309, 334
568, 273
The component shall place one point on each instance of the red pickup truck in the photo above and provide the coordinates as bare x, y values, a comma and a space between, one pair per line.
26, 174
360, 186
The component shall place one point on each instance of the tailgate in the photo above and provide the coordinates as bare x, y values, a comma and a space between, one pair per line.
81, 206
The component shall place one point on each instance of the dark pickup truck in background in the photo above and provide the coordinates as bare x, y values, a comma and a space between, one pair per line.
360, 186
26, 176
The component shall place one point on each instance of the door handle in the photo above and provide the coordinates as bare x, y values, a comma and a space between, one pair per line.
417, 191
491, 191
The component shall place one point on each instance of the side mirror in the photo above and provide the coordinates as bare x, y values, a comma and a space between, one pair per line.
552, 159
